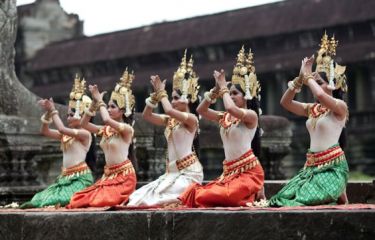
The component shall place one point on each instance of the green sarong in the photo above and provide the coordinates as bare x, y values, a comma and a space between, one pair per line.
60, 192
314, 185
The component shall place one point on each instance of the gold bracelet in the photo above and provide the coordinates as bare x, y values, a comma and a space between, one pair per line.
154, 98
295, 85
223, 91
151, 103
208, 97
297, 82
160, 94
215, 92
102, 104
45, 119
163, 96
294, 88
53, 112
212, 95
307, 77
300, 79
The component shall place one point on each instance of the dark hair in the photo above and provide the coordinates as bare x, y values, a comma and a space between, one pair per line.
339, 94
254, 105
193, 109
131, 152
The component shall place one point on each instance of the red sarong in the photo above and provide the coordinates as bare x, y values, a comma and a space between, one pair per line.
240, 182
117, 183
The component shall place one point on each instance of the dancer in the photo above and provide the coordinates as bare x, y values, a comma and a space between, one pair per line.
324, 177
119, 179
181, 121
75, 143
243, 176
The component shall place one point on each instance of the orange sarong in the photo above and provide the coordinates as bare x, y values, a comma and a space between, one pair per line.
240, 182
114, 188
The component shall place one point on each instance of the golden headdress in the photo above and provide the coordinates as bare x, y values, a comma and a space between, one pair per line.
186, 80
122, 93
244, 74
77, 98
325, 63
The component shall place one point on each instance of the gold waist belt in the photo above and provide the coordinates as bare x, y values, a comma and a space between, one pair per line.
125, 167
246, 162
323, 157
186, 161
79, 168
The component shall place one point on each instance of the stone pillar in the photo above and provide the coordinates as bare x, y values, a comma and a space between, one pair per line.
20, 140
276, 140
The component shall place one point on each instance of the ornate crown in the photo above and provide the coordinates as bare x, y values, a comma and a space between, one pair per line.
244, 74
186, 80
122, 93
77, 98
325, 63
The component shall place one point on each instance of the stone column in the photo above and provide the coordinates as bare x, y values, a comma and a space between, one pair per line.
276, 140
19, 116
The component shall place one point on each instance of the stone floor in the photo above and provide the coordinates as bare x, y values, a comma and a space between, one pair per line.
192, 224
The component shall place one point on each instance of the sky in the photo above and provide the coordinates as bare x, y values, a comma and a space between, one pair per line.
113, 15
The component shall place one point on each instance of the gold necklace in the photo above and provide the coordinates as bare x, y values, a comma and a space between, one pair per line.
317, 111
227, 121
66, 141
172, 124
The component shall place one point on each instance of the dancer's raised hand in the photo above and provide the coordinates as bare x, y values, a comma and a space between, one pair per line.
95, 94
220, 79
157, 84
